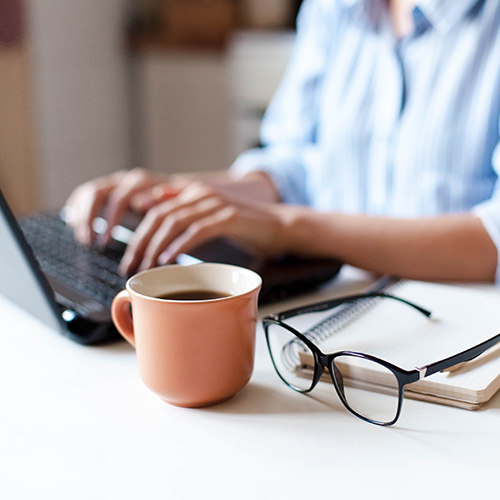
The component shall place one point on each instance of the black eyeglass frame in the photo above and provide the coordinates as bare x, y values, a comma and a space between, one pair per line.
322, 360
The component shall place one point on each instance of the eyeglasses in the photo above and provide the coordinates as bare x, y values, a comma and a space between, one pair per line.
300, 364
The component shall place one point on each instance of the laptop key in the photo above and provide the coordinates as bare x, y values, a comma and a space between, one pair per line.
92, 273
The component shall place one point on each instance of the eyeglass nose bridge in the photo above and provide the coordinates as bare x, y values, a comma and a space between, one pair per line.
324, 360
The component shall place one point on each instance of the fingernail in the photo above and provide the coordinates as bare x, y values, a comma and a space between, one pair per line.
141, 268
146, 264
124, 268
164, 258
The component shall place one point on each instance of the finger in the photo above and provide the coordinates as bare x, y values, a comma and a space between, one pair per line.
195, 194
196, 191
220, 223
187, 193
119, 199
147, 199
86, 209
141, 238
174, 225
85, 202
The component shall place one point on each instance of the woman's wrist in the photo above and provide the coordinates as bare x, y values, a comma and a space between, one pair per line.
300, 231
256, 185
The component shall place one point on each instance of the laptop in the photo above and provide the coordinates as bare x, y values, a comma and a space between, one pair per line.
70, 287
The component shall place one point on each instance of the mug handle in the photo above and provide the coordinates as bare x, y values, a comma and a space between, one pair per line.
120, 312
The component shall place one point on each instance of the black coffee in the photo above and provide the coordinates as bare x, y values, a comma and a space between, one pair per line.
194, 295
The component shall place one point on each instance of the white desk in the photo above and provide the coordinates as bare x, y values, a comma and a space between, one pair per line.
77, 423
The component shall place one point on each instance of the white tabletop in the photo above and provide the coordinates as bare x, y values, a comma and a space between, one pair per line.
77, 423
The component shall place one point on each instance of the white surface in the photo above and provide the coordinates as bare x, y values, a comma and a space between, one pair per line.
77, 423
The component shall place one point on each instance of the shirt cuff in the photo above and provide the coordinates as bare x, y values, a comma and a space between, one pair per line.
284, 169
489, 213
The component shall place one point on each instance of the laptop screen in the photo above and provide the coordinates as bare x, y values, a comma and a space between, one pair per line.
20, 279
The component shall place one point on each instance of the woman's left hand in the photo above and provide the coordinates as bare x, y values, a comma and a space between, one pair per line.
197, 214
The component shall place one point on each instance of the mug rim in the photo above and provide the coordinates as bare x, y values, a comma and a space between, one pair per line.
244, 270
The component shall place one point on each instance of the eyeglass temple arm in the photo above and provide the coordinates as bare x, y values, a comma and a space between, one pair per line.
462, 357
330, 304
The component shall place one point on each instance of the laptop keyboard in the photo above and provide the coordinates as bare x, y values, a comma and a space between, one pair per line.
93, 273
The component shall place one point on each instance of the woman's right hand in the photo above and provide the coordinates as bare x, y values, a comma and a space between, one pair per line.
111, 196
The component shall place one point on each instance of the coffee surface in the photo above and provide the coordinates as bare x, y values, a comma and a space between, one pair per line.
194, 295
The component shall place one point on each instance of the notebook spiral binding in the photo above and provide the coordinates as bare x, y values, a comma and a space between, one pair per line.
350, 312
342, 317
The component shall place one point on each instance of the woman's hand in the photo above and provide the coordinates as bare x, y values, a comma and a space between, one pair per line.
181, 212
111, 196
199, 213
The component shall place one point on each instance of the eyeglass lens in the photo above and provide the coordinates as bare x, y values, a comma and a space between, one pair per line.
368, 388
293, 360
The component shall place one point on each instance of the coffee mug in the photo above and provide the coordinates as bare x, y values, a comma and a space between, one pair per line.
193, 328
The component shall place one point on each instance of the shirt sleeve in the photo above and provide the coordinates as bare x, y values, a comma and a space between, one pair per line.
489, 211
288, 131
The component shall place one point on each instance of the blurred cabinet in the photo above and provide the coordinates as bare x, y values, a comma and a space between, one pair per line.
197, 110
65, 115
182, 110
17, 164
16, 124
76, 104
80, 91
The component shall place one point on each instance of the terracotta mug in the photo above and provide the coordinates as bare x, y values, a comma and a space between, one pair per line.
194, 352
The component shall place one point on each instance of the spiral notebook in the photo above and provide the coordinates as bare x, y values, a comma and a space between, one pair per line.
463, 316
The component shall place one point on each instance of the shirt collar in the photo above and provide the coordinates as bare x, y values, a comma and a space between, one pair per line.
442, 15
366, 10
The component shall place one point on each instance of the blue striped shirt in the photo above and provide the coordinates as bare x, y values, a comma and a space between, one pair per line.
364, 122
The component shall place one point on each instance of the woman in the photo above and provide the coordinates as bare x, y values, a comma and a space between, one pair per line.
380, 149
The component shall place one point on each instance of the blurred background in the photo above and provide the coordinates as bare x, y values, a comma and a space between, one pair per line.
91, 86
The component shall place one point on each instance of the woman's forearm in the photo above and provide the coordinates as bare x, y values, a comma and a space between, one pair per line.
449, 247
